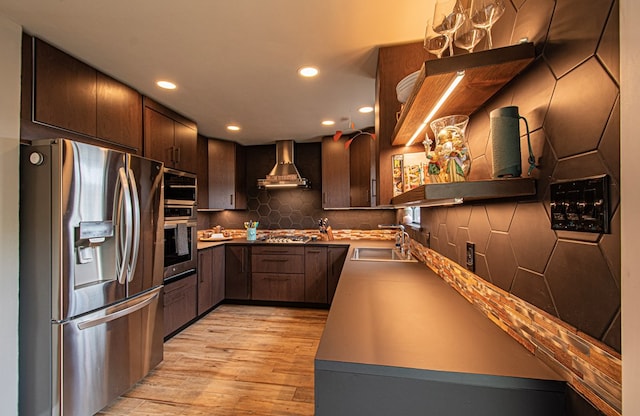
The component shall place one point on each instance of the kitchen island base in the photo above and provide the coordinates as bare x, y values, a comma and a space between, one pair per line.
353, 389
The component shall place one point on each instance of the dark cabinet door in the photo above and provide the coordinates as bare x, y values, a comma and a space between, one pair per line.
336, 257
74, 96
180, 303
237, 272
211, 270
335, 173
158, 137
361, 172
348, 174
205, 280
226, 178
315, 274
64, 90
119, 113
186, 143
173, 142
278, 287
222, 170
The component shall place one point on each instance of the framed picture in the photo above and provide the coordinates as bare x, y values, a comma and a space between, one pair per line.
409, 171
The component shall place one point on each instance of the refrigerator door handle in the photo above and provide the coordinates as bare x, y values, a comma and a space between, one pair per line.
90, 323
123, 245
136, 227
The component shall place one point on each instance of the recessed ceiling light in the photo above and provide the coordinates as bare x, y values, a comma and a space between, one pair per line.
328, 122
308, 71
233, 127
167, 85
366, 109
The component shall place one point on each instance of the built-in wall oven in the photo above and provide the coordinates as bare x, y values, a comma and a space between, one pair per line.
180, 224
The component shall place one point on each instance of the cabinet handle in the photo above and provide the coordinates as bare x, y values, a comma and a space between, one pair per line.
231, 199
278, 279
276, 260
177, 150
373, 188
276, 251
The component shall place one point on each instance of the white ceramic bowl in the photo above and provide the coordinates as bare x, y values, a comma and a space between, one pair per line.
405, 86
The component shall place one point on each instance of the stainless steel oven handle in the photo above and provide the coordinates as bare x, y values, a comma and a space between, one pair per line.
90, 323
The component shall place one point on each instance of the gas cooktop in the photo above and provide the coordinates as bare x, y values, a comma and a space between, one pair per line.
287, 239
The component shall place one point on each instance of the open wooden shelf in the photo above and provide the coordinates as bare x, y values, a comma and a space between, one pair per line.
445, 193
486, 72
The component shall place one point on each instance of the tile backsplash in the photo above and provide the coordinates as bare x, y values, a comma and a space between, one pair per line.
590, 367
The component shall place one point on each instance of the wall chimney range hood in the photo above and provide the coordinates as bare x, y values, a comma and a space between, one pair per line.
284, 174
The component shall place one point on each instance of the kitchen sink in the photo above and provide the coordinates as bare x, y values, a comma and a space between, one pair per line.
381, 254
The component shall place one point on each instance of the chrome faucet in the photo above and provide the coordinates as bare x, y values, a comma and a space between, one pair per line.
402, 235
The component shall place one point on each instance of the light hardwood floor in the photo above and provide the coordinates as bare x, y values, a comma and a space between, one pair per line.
237, 360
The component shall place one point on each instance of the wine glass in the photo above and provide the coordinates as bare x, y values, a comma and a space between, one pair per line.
447, 18
435, 43
468, 36
484, 13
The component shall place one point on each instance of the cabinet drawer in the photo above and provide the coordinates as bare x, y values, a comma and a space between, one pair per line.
277, 287
180, 302
267, 263
278, 249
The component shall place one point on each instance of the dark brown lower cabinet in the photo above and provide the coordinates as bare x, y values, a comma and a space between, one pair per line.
237, 272
211, 278
180, 303
277, 287
336, 257
277, 273
315, 274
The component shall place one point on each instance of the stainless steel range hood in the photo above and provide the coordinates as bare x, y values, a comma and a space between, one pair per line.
284, 174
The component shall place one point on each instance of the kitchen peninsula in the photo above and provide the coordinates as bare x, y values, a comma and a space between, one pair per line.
399, 340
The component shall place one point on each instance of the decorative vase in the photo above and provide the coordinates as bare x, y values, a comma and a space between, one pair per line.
449, 158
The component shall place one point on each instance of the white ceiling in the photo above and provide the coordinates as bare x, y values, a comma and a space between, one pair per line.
236, 61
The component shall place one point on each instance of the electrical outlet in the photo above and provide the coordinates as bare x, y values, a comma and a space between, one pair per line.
471, 256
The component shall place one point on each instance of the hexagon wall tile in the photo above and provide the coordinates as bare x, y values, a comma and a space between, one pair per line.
501, 260
532, 287
531, 236
500, 215
532, 22
574, 33
578, 115
585, 292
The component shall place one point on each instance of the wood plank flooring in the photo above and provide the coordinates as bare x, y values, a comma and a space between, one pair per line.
237, 360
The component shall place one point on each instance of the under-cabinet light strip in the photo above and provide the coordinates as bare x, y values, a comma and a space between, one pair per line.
441, 101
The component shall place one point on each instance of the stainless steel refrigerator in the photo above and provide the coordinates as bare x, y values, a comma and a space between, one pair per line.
91, 271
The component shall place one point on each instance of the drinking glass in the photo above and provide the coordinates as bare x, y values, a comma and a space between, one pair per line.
447, 18
435, 43
484, 13
468, 36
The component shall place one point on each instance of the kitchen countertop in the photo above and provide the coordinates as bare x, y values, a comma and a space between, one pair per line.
402, 319
208, 244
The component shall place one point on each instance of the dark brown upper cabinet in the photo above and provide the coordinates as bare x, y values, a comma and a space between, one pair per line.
226, 178
348, 174
169, 137
70, 95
